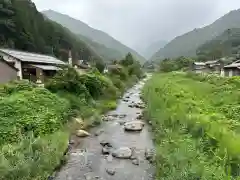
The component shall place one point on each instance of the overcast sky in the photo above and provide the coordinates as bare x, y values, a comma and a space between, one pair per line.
137, 23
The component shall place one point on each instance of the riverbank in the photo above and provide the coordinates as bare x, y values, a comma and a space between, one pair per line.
93, 158
35, 121
195, 124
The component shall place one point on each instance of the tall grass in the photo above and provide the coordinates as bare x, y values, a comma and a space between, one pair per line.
195, 125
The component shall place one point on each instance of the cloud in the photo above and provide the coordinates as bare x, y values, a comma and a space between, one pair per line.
139, 23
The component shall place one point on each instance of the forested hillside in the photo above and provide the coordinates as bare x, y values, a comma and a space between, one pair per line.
187, 44
226, 44
23, 27
108, 54
98, 36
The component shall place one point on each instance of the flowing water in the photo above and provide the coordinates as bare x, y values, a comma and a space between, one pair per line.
86, 161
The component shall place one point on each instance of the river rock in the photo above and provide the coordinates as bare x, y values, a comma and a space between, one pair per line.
139, 106
111, 171
122, 122
82, 133
106, 150
109, 158
149, 155
134, 126
122, 153
140, 116
121, 116
71, 142
106, 143
99, 132
135, 162
131, 105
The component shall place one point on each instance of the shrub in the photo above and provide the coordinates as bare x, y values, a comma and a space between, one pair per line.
37, 110
32, 158
68, 80
16, 86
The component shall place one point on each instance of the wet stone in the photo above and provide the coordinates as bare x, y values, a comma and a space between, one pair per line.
106, 150
134, 126
122, 153
109, 158
135, 162
149, 155
106, 143
111, 171
99, 132
122, 123
71, 142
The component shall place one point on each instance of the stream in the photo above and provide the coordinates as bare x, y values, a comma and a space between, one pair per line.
88, 162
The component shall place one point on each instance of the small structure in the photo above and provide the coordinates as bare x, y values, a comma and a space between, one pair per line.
32, 66
215, 66
7, 72
82, 64
232, 69
199, 67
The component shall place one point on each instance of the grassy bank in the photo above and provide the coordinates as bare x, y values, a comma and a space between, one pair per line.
196, 125
35, 123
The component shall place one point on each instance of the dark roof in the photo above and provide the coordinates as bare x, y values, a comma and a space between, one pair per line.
7, 63
32, 57
199, 63
233, 65
212, 62
47, 67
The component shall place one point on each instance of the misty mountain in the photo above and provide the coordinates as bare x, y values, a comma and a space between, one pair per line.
187, 44
153, 48
226, 44
80, 28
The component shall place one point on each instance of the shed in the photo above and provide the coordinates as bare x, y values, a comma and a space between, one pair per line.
7, 72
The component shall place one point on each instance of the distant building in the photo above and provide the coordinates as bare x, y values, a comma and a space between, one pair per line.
32, 66
232, 69
7, 72
199, 67
215, 66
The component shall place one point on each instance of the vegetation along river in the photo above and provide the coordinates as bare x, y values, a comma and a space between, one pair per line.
105, 153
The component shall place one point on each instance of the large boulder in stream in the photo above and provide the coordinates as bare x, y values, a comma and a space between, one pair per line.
134, 126
82, 133
122, 153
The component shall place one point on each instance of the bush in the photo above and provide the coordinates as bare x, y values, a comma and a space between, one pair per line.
68, 80
15, 87
37, 111
33, 158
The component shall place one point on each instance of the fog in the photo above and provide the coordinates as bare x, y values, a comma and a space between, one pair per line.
138, 23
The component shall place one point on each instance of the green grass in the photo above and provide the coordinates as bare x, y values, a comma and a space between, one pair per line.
33, 120
196, 125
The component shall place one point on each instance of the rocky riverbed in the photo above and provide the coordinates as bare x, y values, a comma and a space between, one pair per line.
120, 149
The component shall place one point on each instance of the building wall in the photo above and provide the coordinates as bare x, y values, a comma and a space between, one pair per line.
7, 73
17, 63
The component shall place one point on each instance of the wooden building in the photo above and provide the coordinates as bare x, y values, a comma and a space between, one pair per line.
232, 69
7, 72
32, 66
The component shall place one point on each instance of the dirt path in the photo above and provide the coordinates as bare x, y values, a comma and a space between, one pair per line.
87, 162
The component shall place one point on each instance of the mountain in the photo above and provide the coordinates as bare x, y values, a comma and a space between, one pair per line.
226, 44
187, 44
23, 27
153, 48
108, 54
80, 28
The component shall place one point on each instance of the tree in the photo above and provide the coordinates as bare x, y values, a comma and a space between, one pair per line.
128, 60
